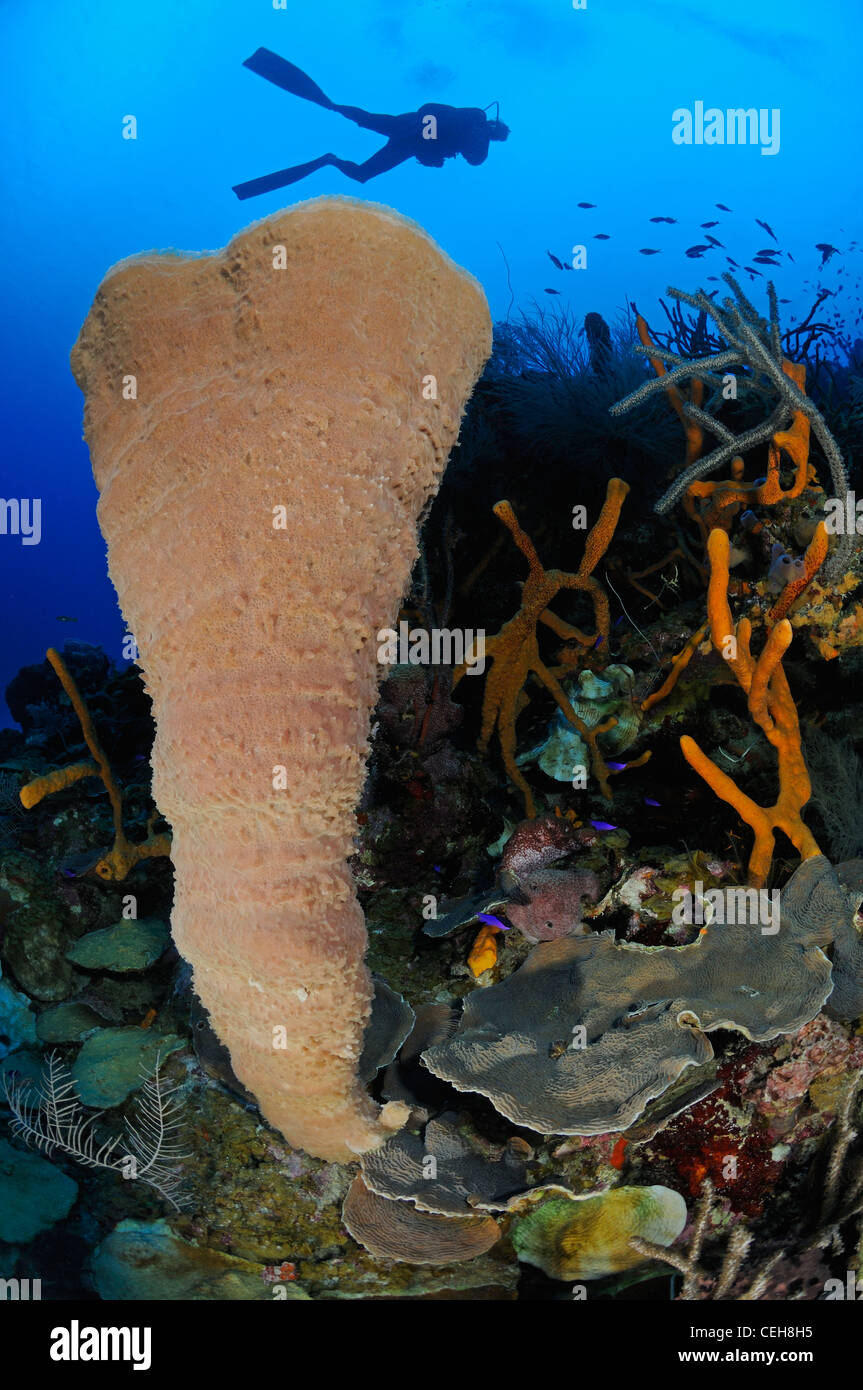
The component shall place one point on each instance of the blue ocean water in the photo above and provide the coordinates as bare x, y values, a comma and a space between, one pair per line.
589, 93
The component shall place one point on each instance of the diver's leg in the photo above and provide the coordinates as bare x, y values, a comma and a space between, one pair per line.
369, 120
282, 178
388, 158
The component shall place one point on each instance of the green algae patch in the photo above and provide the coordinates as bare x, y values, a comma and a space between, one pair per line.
125, 948
34, 1195
67, 1023
588, 1237
145, 1260
115, 1062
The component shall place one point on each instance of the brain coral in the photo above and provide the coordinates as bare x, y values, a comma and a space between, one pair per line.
265, 431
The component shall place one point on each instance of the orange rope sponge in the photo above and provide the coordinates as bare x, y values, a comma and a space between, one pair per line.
694, 432
123, 855
816, 554
514, 651
678, 666
764, 682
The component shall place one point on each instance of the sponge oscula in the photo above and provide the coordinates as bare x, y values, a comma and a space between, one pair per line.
266, 425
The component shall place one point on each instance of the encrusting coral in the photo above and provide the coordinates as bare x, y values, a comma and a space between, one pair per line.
123, 854
400, 1231
588, 1030
298, 394
514, 651
771, 705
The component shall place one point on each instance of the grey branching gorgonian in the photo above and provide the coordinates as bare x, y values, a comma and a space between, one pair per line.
754, 343
49, 1115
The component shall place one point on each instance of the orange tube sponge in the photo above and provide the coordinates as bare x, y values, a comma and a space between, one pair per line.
770, 703
514, 651
266, 425
56, 781
123, 854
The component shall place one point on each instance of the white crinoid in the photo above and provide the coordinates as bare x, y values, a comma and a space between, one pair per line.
49, 1115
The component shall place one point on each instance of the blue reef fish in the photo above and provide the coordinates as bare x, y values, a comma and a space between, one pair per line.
491, 921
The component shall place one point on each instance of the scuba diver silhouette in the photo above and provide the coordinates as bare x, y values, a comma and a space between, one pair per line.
430, 135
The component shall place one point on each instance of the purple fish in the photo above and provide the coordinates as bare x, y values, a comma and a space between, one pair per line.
616, 767
602, 825
649, 801
491, 921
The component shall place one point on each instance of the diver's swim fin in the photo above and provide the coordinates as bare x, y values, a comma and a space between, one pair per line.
283, 74
270, 182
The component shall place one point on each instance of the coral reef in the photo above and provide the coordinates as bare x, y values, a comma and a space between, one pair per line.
640, 1076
